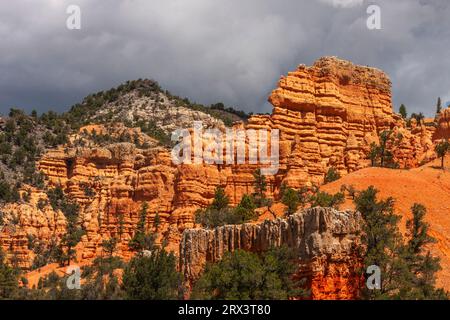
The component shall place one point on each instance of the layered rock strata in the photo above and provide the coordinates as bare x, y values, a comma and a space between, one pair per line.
327, 114
443, 125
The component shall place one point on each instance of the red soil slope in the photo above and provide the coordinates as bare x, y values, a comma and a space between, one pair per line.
428, 185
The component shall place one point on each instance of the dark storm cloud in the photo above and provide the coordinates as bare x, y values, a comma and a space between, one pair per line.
215, 50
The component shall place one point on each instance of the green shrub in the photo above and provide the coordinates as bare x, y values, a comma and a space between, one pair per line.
242, 275
152, 277
332, 175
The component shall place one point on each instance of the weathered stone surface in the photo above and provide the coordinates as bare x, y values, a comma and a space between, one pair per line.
443, 125
324, 239
328, 114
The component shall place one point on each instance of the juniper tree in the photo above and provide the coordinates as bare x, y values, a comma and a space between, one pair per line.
373, 153
152, 277
245, 210
402, 111
9, 285
331, 175
109, 246
142, 240
246, 275
438, 106
380, 236
221, 200
441, 150
291, 199
260, 185
407, 268
219, 213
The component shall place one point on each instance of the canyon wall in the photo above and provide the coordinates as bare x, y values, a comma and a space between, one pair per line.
325, 241
328, 114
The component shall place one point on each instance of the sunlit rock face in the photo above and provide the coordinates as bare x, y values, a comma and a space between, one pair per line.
443, 125
327, 115
325, 241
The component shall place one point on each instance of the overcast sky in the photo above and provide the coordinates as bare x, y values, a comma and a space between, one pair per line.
215, 50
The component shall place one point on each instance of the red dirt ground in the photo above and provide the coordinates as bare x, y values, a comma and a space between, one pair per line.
428, 185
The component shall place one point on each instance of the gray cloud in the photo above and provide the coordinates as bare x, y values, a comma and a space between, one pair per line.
215, 50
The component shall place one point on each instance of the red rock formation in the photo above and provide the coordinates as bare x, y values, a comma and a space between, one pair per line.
328, 115
443, 125
324, 239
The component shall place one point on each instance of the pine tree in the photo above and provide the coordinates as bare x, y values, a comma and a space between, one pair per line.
157, 221
260, 185
373, 153
418, 229
407, 271
245, 210
9, 284
100, 280
385, 155
402, 111
152, 277
142, 240
381, 237
438, 106
221, 200
291, 199
441, 150
331, 175
109, 246
422, 267
248, 276
219, 213
74, 232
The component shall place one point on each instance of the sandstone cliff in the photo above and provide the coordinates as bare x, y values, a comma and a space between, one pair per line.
327, 114
324, 239
330, 113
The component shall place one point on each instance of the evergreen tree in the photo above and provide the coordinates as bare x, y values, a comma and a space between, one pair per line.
324, 199
331, 175
9, 285
407, 272
74, 232
438, 106
418, 229
142, 240
260, 185
221, 200
291, 199
373, 153
380, 235
441, 150
418, 116
245, 210
109, 246
101, 282
385, 155
157, 221
219, 213
242, 275
402, 111
152, 277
